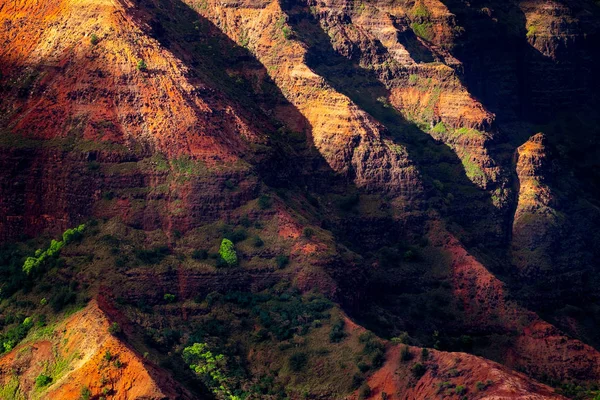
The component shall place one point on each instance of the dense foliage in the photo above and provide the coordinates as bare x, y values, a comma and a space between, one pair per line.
41, 256
211, 369
228, 253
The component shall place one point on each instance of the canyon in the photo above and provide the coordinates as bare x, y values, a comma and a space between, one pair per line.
411, 188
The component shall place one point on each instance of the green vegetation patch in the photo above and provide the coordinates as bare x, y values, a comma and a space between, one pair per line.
423, 30
211, 368
228, 253
41, 256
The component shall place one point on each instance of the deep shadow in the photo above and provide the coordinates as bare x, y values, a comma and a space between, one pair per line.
297, 167
418, 52
435, 160
391, 289
556, 93
509, 75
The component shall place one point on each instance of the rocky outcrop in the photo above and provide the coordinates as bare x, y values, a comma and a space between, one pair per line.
49, 189
80, 74
559, 70
536, 222
538, 58
387, 41
488, 309
81, 354
82, 121
350, 141
451, 375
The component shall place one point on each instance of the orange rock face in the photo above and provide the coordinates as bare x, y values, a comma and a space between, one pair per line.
539, 348
98, 91
80, 353
375, 128
452, 375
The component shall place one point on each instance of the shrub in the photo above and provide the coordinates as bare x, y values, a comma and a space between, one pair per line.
227, 253
41, 256
245, 221
364, 392
62, 298
210, 368
257, 241
405, 354
438, 185
372, 345
378, 358
199, 254
402, 338
298, 361
337, 333
264, 202
108, 355
418, 370
42, 380
482, 386
72, 235
141, 65
410, 255
365, 337
424, 354
236, 236
384, 101
169, 298
363, 366
153, 256
420, 11
460, 390
282, 261
86, 393
423, 30
308, 232
94, 39
287, 32
531, 32
440, 128
260, 336
114, 329
357, 380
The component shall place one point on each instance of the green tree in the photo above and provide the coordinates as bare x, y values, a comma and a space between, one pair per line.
86, 393
70, 235
418, 370
169, 298
227, 252
114, 329
210, 367
42, 380
141, 65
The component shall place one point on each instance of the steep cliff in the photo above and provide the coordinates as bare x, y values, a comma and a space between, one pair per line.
374, 165
80, 356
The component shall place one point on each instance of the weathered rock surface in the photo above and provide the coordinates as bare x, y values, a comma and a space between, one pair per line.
78, 348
